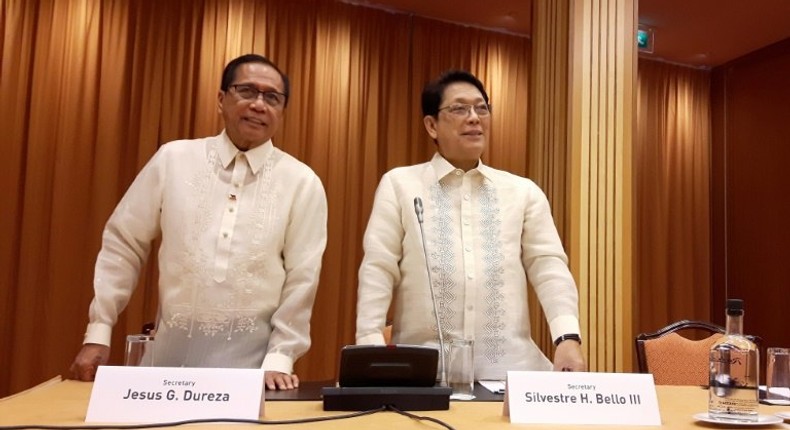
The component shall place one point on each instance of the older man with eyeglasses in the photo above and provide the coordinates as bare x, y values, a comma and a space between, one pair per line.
486, 234
243, 229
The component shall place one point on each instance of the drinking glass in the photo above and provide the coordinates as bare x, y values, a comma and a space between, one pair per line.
140, 350
461, 375
777, 376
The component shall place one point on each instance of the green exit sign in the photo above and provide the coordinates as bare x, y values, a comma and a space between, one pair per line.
644, 39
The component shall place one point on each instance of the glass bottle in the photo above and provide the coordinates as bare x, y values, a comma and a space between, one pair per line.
734, 370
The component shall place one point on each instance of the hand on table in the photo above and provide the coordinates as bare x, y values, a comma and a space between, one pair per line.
280, 381
568, 357
88, 360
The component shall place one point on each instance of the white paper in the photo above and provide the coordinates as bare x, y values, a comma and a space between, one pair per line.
163, 394
581, 398
496, 387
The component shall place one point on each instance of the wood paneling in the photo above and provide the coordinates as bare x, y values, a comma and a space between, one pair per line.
602, 94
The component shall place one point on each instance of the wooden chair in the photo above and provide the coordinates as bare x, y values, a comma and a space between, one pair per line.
674, 359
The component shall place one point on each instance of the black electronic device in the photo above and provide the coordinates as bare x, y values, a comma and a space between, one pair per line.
388, 366
372, 376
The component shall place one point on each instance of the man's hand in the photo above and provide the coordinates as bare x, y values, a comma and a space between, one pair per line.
90, 357
568, 357
280, 381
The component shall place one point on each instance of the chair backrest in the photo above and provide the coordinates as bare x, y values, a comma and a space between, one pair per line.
674, 359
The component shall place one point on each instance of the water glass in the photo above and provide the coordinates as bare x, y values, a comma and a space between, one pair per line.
777, 376
140, 350
461, 369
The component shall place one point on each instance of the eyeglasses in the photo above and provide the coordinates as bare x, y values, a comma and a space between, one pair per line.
461, 110
249, 92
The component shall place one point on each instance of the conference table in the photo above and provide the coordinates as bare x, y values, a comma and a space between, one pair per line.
64, 402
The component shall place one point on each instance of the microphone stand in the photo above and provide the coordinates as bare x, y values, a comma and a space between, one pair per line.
443, 375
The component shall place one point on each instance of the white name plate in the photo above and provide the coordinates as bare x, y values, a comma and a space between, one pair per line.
163, 394
581, 398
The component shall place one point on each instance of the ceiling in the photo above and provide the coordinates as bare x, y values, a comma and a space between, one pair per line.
698, 33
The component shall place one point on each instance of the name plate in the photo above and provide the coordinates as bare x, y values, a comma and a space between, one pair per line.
163, 394
581, 398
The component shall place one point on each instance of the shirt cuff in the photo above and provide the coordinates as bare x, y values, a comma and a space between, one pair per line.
277, 362
564, 324
99, 333
371, 339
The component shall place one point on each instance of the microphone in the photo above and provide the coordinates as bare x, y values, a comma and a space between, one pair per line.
418, 210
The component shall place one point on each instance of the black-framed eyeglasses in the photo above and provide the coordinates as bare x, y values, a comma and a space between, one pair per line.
249, 92
462, 110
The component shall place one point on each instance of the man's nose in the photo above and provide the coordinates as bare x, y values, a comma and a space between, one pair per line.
258, 103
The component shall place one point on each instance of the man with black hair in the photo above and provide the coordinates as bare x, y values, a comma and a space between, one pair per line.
487, 233
243, 228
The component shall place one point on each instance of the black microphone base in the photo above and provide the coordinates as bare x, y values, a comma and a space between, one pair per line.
403, 398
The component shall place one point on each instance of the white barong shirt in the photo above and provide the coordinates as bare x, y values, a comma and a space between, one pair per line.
487, 232
243, 234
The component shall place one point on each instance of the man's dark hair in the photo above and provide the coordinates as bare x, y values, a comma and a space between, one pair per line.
434, 91
229, 74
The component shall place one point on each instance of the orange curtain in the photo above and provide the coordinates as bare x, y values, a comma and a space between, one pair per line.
672, 194
91, 88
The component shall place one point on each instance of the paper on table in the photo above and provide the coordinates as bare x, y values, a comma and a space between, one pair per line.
780, 396
496, 387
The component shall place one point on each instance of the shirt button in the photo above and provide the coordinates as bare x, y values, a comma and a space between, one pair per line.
468, 249
466, 222
230, 210
225, 234
457, 173
470, 308
470, 277
466, 196
237, 185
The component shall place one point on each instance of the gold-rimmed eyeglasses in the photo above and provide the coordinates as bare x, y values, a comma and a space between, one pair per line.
249, 92
462, 110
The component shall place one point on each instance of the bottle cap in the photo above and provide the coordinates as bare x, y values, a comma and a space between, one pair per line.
734, 307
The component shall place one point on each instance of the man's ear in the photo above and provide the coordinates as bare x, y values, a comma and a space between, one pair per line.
430, 126
220, 98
